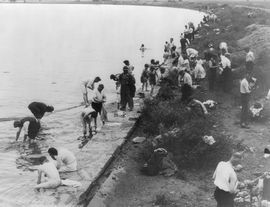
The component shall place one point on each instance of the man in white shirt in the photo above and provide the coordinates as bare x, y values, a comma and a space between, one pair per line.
88, 84
199, 72
250, 58
225, 180
64, 159
98, 99
245, 94
226, 72
186, 77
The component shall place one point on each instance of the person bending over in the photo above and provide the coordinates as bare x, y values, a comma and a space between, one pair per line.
38, 109
65, 159
88, 115
88, 84
29, 125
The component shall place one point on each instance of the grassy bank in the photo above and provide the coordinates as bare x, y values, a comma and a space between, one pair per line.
168, 111
193, 186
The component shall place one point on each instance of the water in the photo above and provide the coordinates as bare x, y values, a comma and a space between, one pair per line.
47, 50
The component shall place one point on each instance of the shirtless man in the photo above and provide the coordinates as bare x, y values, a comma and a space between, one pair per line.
65, 159
51, 175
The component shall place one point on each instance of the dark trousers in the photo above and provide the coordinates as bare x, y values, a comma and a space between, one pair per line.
212, 78
223, 198
245, 109
227, 79
126, 98
97, 107
249, 66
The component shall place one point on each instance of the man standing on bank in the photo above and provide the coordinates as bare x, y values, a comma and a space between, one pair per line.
245, 95
88, 84
126, 91
225, 180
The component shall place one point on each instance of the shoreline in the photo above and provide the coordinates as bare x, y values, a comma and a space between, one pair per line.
195, 184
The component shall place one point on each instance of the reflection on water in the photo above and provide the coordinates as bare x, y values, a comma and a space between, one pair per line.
47, 50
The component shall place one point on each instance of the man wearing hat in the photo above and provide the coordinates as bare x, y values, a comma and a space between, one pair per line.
127, 82
225, 180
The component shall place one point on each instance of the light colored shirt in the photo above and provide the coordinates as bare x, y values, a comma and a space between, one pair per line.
99, 96
199, 71
65, 156
250, 57
225, 177
191, 51
50, 171
89, 83
186, 31
187, 79
225, 62
244, 86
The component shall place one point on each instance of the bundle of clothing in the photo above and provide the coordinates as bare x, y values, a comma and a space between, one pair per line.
159, 163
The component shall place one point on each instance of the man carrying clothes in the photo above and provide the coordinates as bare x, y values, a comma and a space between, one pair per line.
88, 84
225, 180
245, 95
65, 159
249, 60
30, 126
88, 115
39, 109
126, 91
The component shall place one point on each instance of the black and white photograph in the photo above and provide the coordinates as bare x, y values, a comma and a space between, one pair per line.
134, 103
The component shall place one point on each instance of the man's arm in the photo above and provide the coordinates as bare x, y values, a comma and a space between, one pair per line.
39, 176
25, 130
233, 183
18, 133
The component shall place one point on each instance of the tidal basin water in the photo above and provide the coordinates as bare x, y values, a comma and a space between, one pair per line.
46, 51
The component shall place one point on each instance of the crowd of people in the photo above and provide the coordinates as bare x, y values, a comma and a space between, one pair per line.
213, 65
189, 66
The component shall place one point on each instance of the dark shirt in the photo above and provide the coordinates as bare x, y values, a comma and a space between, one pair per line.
183, 42
33, 127
38, 109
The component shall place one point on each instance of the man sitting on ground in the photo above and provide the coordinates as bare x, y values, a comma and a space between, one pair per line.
30, 126
51, 175
65, 159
